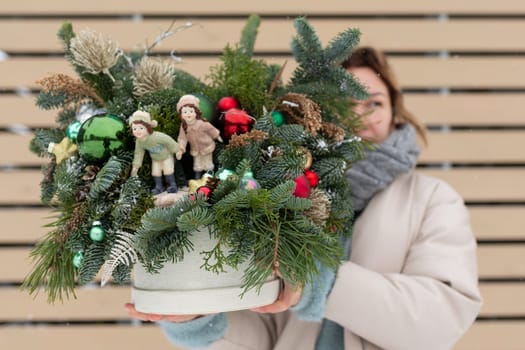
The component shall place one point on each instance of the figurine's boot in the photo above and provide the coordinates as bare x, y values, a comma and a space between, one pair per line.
172, 185
159, 186
198, 174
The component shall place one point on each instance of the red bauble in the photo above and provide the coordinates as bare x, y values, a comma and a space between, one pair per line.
302, 187
227, 103
206, 191
236, 121
312, 177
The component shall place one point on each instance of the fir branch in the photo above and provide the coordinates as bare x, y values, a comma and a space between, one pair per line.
106, 177
340, 47
248, 35
52, 268
92, 262
42, 138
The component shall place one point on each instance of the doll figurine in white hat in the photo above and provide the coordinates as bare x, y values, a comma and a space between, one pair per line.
198, 132
160, 147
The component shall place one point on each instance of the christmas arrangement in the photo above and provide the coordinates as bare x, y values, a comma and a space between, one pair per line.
145, 156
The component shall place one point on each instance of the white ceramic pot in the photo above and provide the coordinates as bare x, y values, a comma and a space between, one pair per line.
185, 288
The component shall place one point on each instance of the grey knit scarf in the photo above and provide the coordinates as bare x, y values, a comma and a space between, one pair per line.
380, 166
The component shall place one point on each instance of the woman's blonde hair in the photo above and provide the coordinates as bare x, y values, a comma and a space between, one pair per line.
376, 60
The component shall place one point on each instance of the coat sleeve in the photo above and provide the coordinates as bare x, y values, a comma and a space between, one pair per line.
432, 302
241, 330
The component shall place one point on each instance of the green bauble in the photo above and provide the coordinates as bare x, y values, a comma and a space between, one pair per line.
78, 258
100, 136
278, 118
97, 233
72, 131
205, 106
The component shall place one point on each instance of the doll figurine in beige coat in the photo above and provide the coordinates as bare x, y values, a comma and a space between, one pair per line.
198, 133
410, 282
160, 147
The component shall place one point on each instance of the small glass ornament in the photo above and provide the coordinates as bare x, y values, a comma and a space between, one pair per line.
78, 258
248, 182
278, 118
72, 131
223, 174
97, 233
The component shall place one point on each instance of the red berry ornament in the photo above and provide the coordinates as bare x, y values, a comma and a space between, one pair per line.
312, 177
227, 103
302, 187
206, 191
236, 121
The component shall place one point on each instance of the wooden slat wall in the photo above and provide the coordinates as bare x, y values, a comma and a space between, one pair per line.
461, 64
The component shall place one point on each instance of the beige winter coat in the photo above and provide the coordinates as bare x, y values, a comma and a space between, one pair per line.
411, 282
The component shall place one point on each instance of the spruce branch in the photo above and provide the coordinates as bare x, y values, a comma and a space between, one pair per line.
248, 35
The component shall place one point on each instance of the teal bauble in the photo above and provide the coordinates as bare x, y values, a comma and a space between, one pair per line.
278, 118
97, 233
100, 136
78, 258
223, 174
206, 107
72, 131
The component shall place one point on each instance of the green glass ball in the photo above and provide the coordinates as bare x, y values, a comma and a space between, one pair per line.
78, 258
205, 106
278, 118
100, 136
97, 233
72, 131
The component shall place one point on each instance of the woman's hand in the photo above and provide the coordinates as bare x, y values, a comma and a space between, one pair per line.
288, 297
155, 317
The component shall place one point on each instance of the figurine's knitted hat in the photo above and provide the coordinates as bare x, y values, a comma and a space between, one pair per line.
188, 100
142, 116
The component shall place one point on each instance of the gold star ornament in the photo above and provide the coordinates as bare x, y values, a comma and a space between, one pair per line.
63, 150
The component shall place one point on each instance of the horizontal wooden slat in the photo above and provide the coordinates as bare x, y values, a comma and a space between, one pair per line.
491, 335
458, 146
484, 184
20, 187
92, 303
494, 260
474, 184
234, 7
498, 222
26, 225
502, 299
21, 110
84, 337
95, 303
14, 150
475, 147
275, 34
503, 109
484, 109
501, 261
461, 72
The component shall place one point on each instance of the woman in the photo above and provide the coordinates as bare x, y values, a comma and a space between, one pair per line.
411, 281
198, 132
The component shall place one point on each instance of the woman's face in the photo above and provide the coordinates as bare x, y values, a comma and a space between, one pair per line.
139, 130
188, 114
376, 111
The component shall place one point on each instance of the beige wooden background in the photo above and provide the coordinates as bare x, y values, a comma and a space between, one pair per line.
461, 64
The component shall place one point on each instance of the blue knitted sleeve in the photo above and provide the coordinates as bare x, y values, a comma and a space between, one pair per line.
312, 304
198, 333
